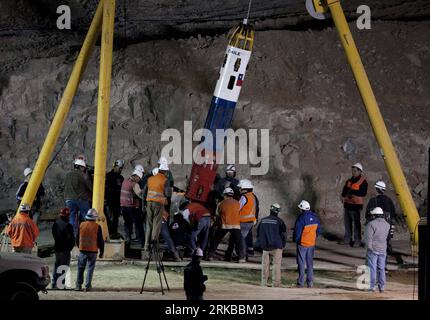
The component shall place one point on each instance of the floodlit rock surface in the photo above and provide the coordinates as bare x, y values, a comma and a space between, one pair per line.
298, 85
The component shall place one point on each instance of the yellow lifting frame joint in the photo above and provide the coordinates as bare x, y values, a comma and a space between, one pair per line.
376, 120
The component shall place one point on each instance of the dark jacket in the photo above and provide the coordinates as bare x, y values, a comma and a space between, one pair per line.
362, 192
306, 229
386, 204
113, 188
194, 279
222, 183
180, 230
271, 233
37, 203
100, 241
63, 234
77, 186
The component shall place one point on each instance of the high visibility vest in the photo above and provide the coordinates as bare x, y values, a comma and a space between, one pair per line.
247, 213
88, 236
229, 214
156, 188
127, 197
22, 231
352, 199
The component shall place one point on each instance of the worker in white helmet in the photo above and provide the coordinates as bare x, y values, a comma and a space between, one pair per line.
131, 204
168, 173
157, 194
229, 181
306, 230
352, 196
78, 190
376, 233
386, 204
114, 180
35, 211
22, 231
272, 237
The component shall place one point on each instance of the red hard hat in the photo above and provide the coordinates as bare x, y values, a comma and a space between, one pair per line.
65, 212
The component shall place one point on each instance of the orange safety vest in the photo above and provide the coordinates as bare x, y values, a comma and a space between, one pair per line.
22, 231
156, 188
229, 212
309, 235
88, 236
127, 197
247, 213
352, 199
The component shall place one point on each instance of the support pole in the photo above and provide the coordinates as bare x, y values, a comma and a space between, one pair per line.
379, 129
63, 108
103, 112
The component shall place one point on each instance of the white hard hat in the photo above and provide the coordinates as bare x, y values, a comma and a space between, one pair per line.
275, 207
91, 214
245, 184
380, 185
230, 168
25, 207
162, 160
198, 252
154, 171
228, 191
27, 171
358, 166
163, 166
377, 211
119, 163
80, 162
137, 173
304, 205
139, 167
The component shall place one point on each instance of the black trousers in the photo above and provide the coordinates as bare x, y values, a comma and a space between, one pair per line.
352, 221
235, 238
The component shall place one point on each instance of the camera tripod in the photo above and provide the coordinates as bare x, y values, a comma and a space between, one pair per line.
155, 254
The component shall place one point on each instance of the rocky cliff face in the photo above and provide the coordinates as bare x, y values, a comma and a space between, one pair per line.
298, 85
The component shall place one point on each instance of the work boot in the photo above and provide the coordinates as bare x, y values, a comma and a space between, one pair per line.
177, 257
78, 288
145, 254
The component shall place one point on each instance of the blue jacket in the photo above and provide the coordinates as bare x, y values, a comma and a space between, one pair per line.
306, 229
271, 233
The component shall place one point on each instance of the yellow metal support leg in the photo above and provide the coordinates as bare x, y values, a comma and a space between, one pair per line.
379, 129
103, 112
63, 108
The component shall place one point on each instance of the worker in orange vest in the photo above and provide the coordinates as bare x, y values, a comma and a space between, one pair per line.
23, 230
228, 212
89, 240
249, 208
158, 193
353, 194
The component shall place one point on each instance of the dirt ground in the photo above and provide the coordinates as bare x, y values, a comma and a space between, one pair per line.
123, 282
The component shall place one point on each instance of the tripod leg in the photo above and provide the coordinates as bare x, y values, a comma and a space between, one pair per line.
158, 266
146, 272
164, 274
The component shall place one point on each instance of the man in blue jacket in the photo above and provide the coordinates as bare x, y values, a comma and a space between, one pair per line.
271, 237
306, 230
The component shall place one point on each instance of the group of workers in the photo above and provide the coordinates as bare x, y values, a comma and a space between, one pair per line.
144, 201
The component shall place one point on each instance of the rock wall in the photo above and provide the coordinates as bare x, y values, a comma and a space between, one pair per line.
298, 85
